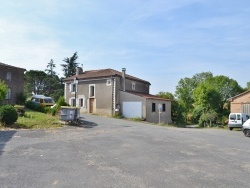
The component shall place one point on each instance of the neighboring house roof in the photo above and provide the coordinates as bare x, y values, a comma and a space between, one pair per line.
148, 96
102, 73
11, 67
241, 94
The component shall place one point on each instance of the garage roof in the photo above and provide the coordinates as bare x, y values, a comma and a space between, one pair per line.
148, 96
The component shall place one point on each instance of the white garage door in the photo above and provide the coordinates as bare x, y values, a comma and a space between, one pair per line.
132, 109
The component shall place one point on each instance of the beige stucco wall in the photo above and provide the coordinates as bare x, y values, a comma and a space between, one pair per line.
235, 105
127, 97
107, 97
140, 87
148, 115
165, 117
102, 98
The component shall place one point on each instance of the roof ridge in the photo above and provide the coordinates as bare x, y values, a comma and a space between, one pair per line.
240, 94
4, 64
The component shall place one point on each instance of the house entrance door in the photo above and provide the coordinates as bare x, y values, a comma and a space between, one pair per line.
91, 105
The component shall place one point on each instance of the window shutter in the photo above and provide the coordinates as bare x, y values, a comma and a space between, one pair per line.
70, 87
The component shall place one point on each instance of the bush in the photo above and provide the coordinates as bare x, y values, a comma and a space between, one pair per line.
21, 98
208, 118
61, 101
36, 107
20, 110
47, 110
56, 108
8, 115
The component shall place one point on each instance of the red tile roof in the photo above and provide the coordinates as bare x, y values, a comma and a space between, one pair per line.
239, 95
102, 73
10, 66
148, 96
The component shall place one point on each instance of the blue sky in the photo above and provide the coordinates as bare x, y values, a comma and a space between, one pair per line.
160, 41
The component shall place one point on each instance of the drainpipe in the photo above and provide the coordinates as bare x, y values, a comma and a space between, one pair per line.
124, 78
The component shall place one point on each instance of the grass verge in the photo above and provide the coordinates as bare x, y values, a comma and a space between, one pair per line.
35, 120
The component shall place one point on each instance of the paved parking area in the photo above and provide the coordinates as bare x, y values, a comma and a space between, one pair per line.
107, 152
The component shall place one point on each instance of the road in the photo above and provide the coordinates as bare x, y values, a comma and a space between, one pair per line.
106, 152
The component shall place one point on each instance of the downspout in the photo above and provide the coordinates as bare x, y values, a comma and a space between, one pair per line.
124, 78
113, 95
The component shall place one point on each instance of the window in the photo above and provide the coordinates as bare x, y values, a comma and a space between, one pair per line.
8, 76
232, 117
153, 107
133, 85
238, 117
91, 90
73, 87
163, 107
81, 102
8, 95
73, 102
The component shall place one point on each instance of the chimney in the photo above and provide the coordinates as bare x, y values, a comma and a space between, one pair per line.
79, 70
124, 78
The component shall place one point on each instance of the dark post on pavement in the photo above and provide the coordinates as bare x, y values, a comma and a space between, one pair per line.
75, 82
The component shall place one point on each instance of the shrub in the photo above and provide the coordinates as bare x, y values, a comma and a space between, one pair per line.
47, 109
8, 114
21, 98
3, 90
56, 108
36, 107
20, 110
61, 101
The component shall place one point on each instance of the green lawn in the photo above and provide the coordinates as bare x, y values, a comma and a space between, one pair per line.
36, 120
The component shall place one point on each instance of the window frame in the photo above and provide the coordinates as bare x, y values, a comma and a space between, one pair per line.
8, 94
153, 107
163, 107
92, 91
81, 102
8, 76
133, 85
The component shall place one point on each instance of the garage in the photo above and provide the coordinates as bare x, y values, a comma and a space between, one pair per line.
132, 109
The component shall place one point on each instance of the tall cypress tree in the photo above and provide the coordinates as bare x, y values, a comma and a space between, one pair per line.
69, 68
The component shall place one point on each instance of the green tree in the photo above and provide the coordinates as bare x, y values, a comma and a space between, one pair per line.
208, 118
54, 86
51, 75
185, 88
50, 68
35, 82
3, 90
176, 110
69, 68
206, 96
248, 86
165, 95
213, 93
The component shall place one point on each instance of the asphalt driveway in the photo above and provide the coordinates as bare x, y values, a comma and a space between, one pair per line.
106, 152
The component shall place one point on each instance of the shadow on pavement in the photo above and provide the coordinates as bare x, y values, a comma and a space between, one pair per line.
83, 123
5, 136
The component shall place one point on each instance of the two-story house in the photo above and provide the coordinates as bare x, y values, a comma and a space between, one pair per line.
108, 92
13, 77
